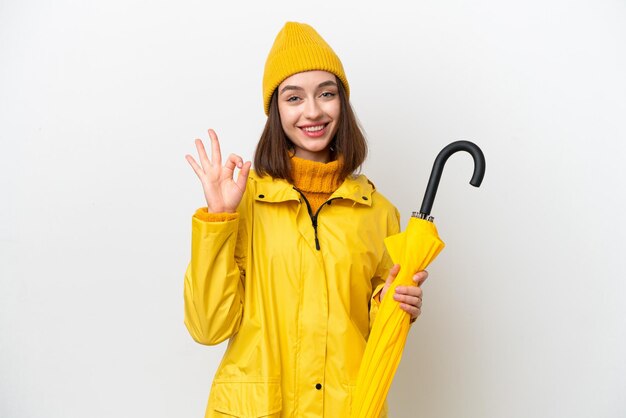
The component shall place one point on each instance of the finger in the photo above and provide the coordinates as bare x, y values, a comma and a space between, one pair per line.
242, 177
196, 168
408, 300
410, 290
216, 152
204, 159
233, 161
412, 310
420, 277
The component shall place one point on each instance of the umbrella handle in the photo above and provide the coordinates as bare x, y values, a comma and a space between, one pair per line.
440, 161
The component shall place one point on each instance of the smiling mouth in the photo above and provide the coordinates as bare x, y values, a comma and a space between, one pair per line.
314, 129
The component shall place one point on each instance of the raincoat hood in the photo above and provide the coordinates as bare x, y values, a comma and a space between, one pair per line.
356, 188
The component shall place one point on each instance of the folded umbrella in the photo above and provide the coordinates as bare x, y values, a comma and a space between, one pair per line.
413, 249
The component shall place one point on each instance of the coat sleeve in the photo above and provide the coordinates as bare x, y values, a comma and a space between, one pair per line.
378, 281
214, 280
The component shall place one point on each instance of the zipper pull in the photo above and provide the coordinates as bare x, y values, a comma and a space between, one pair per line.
314, 222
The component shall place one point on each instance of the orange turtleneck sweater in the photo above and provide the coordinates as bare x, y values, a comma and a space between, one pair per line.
317, 181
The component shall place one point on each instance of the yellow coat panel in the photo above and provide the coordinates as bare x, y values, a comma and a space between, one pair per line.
294, 299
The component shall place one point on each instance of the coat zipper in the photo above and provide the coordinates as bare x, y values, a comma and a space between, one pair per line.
314, 216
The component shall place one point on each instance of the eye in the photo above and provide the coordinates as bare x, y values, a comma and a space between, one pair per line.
327, 94
293, 98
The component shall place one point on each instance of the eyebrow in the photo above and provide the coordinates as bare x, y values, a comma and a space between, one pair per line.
324, 84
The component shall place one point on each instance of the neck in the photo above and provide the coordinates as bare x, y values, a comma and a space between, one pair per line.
319, 157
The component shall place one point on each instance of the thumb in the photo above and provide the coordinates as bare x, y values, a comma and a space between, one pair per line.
390, 278
392, 274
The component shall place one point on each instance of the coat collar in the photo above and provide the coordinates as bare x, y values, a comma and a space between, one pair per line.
356, 188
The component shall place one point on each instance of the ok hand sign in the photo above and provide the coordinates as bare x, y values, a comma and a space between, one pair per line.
221, 191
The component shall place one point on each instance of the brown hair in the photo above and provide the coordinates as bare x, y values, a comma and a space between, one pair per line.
274, 150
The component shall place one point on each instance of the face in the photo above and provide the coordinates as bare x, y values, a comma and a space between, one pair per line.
309, 108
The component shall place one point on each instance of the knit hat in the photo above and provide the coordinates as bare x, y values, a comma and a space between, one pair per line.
297, 48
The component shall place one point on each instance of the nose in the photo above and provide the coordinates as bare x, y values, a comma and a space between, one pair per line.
312, 109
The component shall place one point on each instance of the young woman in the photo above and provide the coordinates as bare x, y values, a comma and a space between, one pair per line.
288, 260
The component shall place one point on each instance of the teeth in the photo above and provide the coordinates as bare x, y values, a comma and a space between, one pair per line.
313, 128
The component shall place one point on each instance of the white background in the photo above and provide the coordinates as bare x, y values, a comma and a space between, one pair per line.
524, 311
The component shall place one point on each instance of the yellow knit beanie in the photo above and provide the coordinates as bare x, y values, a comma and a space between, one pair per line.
297, 48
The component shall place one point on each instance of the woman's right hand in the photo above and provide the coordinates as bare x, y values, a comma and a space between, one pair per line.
221, 191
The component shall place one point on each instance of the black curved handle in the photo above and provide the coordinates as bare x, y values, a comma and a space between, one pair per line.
440, 161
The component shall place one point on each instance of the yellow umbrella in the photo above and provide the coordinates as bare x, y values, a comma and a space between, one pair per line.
413, 249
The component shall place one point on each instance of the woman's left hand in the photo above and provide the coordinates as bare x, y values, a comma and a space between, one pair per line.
409, 297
